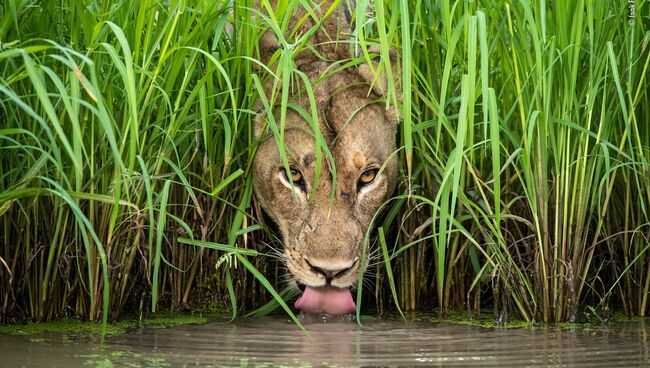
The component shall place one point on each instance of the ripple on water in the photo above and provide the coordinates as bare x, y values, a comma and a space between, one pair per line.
276, 341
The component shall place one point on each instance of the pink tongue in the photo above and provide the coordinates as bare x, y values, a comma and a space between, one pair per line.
327, 299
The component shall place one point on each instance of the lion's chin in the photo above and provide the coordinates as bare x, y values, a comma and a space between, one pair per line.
326, 299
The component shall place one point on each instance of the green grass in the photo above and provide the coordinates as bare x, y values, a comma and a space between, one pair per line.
126, 141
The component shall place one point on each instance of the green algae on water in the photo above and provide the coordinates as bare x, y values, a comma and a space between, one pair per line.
72, 326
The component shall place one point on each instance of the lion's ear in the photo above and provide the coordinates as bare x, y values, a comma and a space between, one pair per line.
377, 76
268, 42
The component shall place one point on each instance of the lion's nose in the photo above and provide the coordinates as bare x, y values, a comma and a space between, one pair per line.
329, 274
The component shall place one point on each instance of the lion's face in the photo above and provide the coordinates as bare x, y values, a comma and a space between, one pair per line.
323, 225
323, 235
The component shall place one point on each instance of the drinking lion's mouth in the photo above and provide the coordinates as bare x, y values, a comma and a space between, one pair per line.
326, 299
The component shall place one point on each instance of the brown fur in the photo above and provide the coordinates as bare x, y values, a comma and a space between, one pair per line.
360, 132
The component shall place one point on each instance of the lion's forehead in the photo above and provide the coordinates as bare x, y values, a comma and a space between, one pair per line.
353, 149
353, 130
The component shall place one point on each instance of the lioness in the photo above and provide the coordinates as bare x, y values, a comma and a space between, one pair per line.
323, 238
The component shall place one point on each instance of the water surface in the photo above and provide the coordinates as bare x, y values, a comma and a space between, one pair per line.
276, 341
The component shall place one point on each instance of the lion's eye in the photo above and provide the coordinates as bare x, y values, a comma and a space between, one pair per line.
367, 177
295, 175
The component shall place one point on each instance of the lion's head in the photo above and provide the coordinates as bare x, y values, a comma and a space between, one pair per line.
323, 234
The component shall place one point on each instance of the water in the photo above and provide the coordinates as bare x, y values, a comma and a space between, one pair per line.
276, 341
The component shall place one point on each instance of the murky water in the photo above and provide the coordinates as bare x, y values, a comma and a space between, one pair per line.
276, 341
